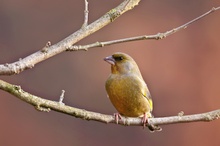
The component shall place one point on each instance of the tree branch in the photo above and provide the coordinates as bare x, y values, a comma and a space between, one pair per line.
158, 36
86, 14
67, 44
47, 105
49, 51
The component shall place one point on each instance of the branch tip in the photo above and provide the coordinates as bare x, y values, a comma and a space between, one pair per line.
180, 114
86, 15
62, 97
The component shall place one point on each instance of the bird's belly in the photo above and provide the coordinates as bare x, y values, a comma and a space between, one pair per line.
127, 100
129, 108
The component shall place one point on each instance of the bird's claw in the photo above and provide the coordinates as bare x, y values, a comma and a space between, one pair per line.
144, 120
117, 117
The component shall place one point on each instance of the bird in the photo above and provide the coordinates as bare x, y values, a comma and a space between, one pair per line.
127, 89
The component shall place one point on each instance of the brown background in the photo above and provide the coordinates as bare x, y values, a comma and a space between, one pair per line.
182, 71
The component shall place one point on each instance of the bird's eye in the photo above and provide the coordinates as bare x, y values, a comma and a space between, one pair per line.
119, 58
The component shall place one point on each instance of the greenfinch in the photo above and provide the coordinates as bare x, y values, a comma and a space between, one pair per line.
127, 90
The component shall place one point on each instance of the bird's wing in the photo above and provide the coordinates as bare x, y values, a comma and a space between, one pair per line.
146, 93
141, 86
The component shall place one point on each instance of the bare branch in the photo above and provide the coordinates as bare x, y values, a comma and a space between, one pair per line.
62, 97
158, 36
39, 56
67, 44
86, 14
47, 105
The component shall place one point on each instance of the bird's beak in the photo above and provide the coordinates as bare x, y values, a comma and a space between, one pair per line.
110, 60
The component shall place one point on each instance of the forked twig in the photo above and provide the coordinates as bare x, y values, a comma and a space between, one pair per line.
157, 36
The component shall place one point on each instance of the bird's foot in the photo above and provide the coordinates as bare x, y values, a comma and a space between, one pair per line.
117, 117
144, 120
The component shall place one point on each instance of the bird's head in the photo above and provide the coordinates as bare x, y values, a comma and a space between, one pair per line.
122, 63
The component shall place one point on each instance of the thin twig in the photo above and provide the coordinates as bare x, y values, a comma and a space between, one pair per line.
86, 14
47, 105
158, 36
62, 97
43, 54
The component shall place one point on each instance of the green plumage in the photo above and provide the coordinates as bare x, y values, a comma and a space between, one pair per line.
126, 88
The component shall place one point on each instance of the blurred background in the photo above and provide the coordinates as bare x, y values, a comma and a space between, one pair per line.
182, 71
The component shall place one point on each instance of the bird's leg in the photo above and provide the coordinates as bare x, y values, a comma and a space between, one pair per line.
145, 119
117, 117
